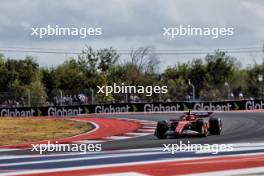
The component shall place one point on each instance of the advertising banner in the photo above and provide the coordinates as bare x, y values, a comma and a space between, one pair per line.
132, 107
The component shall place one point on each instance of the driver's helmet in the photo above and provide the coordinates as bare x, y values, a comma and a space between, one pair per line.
190, 117
183, 118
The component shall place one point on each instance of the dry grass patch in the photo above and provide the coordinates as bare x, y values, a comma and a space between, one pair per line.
23, 130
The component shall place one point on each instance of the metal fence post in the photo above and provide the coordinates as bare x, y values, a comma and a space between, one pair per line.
193, 89
29, 97
92, 91
60, 97
126, 98
260, 79
160, 97
228, 90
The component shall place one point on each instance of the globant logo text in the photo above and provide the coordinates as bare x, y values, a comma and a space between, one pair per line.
111, 109
160, 107
251, 105
53, 111
17, 113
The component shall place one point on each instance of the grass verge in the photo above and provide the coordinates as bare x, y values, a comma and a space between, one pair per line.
24, 130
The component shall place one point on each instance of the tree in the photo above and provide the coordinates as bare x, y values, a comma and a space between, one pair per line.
145, 59
197, 75
70, 76
107, 59
219, 68
50, 81
253, 88
93, 62
176, 78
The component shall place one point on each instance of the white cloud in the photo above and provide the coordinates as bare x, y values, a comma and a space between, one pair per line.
131, 23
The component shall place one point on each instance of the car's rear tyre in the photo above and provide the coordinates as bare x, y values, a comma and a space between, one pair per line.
161, 129
215, 126
202, 127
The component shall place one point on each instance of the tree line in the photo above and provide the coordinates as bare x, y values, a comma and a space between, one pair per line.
217, 76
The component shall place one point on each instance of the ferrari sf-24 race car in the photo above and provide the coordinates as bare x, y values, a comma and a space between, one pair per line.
196, 123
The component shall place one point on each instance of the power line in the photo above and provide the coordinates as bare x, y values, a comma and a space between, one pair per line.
36, 51
124, 50
127, 52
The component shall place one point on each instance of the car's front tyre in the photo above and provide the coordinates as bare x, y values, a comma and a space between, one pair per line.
161, 129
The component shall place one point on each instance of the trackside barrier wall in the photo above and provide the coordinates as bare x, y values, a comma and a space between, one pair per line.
134, 107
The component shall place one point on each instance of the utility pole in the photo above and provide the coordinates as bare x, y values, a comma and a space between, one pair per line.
260, 77
92, 91
228, 90
193, 88
263, 53
260, 80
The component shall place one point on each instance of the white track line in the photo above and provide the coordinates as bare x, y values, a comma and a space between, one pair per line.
110, 165
145, 130
90, 141
147, 127
137, 134
233, 172
118, 137
81, 158
7, 149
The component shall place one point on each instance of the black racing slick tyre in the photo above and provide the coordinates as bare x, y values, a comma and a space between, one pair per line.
202, 127
215, 126
161, 129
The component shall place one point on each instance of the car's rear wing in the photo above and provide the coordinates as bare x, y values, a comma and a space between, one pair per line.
200, 114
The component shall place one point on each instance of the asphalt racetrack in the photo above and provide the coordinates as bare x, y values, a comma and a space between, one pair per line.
238, 127
145, 155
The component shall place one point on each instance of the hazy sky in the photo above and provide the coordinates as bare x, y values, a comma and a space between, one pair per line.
129, 24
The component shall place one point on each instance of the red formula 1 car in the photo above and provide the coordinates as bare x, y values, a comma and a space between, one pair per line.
198, 123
